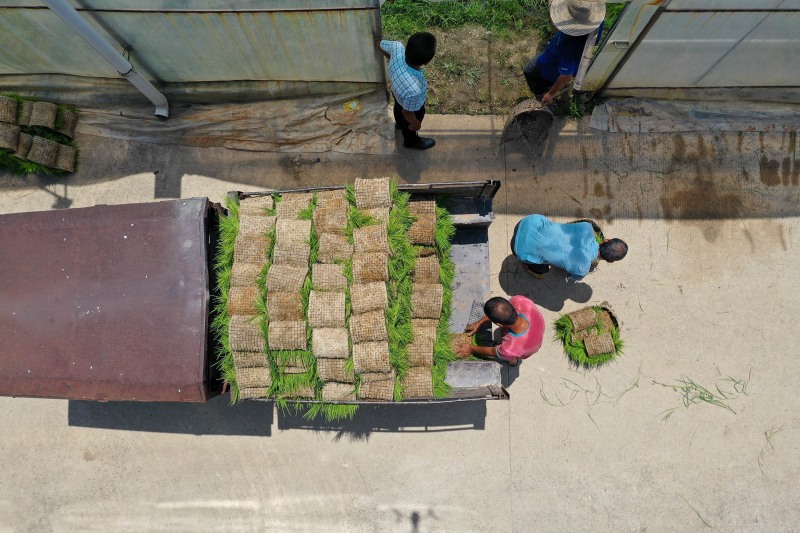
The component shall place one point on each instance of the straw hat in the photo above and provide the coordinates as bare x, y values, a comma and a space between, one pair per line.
577, 17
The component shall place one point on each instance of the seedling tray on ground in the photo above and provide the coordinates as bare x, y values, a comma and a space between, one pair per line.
590, 341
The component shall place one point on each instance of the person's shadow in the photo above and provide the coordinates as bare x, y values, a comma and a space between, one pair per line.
549, 292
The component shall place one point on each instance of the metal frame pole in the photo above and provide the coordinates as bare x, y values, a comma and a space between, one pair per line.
69, 15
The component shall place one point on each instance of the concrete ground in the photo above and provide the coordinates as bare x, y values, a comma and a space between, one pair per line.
706, 295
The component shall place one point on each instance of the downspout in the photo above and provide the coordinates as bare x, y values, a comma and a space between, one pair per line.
586, 58
68, 14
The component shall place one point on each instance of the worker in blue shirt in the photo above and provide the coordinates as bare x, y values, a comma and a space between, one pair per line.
549, 73
538, 242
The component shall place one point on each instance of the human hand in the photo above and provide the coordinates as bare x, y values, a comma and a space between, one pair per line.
463, 350
547, 99
415, 126
472, 329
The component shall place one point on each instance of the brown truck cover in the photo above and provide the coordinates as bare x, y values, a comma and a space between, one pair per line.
106, 302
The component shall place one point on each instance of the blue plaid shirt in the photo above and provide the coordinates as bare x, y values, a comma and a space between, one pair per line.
409, 86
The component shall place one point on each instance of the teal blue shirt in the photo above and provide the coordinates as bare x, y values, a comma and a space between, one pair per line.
571, 247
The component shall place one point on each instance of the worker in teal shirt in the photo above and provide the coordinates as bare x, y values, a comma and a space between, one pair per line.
538, 242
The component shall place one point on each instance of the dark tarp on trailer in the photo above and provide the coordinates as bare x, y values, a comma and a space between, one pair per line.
106, 302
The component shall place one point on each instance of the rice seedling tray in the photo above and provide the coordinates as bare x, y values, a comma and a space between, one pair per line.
590, 335
470, 213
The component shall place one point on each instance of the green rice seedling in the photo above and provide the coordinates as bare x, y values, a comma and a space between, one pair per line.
359, 219
347, 271
349, 365
294, 357
400, 286
768, 448
355, 219
575, 349
738, 386
558, 402
350, 193
692, 393
332, 412
443, 351
705, 522
308, 212
220, 320
23, 167
261, 303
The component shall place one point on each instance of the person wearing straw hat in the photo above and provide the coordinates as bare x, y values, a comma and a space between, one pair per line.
551, 71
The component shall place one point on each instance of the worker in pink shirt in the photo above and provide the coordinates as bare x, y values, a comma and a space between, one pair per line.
521, 325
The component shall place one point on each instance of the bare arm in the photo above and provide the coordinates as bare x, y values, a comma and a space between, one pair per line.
561, 82
484, 352
378, 40
473, 328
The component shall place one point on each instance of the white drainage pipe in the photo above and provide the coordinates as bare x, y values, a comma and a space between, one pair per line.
68, 14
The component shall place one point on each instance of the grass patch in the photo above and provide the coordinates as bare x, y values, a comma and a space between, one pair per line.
220, 322
479, 37
575, 349
402, 18
443, 351
613, 12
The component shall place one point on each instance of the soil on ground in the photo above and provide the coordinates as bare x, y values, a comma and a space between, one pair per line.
476, 72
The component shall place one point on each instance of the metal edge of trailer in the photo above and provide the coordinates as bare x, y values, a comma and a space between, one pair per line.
108, 303
485, 189
483, 381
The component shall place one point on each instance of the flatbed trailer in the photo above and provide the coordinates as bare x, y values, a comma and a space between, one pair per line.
113, 303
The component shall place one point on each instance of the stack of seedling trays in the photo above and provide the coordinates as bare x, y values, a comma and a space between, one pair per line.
335, 297
36, 137
590, 335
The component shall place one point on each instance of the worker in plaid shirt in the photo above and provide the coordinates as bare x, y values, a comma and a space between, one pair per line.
409, 86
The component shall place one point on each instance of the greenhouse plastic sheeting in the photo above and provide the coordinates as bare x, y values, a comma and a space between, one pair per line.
299, 75
200, 41
244, 117
355, 123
